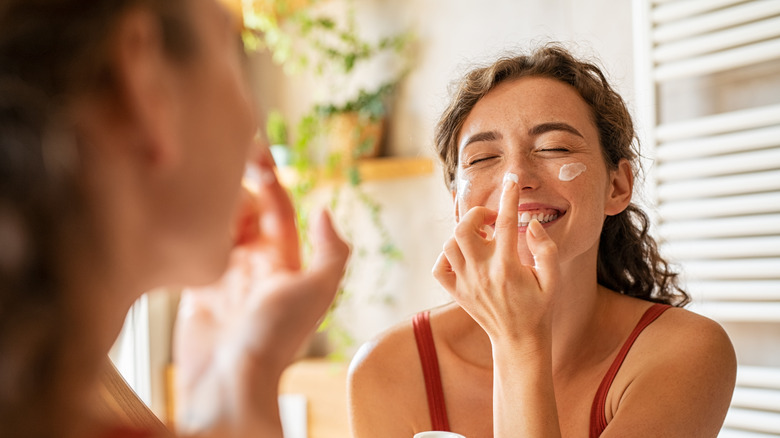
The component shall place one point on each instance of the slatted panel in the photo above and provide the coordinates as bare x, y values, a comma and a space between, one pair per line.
738, 14
716, 177
677, 10
753, 225
756, 403
719, 123
706, 146
724, 39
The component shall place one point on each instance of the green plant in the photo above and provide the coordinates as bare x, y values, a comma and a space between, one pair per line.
369, 105
330, 47
276, 128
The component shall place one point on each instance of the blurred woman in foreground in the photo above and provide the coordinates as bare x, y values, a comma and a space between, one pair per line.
125, 127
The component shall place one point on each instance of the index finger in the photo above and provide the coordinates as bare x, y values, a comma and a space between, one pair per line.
273, 211
506, 223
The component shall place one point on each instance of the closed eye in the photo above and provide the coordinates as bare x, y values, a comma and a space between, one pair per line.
480, 160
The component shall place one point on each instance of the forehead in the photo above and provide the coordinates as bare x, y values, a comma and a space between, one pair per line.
525, 102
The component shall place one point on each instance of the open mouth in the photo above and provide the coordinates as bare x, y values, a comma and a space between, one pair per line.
544, 216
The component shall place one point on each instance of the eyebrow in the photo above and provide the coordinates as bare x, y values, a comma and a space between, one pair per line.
553, 126
481, 136
537, 130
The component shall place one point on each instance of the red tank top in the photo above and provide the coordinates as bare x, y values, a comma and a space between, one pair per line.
435, 392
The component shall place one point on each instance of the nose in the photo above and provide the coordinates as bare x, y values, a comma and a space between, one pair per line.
527, 172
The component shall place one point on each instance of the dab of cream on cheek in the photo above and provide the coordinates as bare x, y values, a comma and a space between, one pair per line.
570, 171
464, 186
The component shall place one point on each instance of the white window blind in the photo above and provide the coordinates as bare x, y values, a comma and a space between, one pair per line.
708, 101
130, 352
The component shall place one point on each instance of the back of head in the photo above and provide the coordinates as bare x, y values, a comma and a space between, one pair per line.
628, 260
51, 51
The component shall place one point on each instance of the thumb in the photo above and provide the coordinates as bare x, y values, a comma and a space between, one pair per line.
545, 253
330, 251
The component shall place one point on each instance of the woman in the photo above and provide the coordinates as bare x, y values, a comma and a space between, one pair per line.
125, 126
553, 274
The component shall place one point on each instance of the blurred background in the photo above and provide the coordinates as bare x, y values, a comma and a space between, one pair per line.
349, 91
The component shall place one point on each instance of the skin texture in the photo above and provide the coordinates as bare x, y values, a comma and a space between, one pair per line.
531, 333
162, 160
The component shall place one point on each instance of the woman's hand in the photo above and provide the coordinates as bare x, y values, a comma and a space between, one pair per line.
234, 338
486, 278
513, 304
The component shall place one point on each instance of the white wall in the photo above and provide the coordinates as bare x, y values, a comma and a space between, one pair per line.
451, 36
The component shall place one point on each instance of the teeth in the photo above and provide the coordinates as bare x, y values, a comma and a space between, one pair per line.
526, 217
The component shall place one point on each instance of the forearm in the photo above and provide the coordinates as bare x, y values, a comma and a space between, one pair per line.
523, 393
236, 401
258, 397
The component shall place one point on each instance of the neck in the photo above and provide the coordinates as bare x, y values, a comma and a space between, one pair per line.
582, 315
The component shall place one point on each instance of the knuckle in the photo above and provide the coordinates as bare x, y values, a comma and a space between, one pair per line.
462, 230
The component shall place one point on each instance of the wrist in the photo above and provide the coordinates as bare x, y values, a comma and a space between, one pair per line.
528, 351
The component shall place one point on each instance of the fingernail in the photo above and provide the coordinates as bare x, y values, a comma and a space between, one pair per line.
534, 227
509, 176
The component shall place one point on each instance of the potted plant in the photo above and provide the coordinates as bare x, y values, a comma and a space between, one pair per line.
336, 133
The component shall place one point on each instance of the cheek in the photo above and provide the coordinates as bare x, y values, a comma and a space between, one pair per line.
477, 189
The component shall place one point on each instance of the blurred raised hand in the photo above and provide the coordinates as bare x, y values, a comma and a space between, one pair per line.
234, 338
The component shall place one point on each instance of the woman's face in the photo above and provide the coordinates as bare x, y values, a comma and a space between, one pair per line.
217, 128
541, 130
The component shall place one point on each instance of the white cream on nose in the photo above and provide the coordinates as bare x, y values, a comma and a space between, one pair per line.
570, 171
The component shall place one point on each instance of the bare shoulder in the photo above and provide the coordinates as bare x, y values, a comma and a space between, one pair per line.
683, 334
677, 379
393, 350
385, 385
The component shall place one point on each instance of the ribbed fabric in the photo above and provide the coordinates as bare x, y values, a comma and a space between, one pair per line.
430, 368
598, 417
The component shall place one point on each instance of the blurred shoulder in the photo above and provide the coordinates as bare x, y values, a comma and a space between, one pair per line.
386, 387
392, 350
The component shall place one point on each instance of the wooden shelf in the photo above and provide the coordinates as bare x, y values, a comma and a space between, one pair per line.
394, 167
324, 383
373, 169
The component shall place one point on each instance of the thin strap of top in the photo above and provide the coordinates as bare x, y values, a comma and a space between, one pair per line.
598, 418
430, 367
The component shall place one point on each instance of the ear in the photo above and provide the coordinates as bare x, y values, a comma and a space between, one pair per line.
146, 85
621, 187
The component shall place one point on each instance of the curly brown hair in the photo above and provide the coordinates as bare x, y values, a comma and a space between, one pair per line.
628, 259
51, 51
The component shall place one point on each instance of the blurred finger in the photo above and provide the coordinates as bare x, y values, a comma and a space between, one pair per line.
275, 214
330, 250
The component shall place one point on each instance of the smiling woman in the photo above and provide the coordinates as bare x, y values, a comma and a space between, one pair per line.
554, 277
